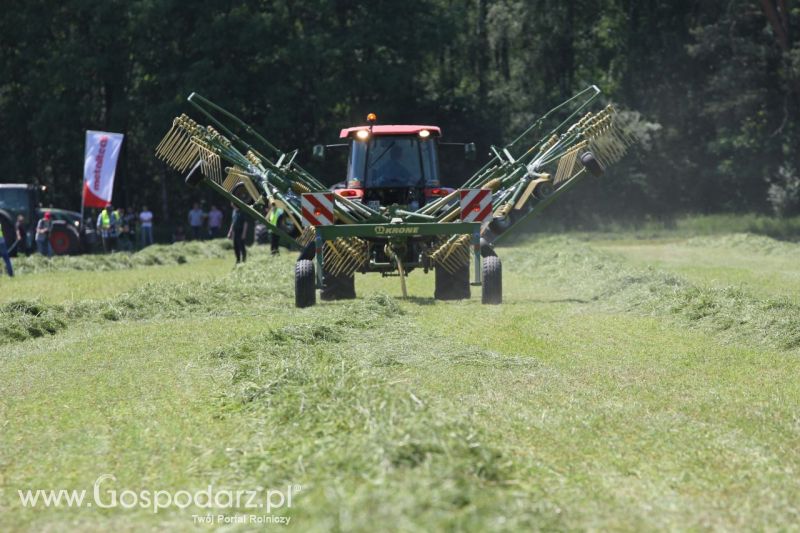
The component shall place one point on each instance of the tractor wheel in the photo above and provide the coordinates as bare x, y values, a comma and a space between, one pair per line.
592, 164
337, 287
305, 293
491, 280
451, 286
64, 239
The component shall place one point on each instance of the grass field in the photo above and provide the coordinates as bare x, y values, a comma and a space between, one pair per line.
626, 384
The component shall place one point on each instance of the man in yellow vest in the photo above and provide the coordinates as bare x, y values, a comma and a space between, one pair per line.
4, 253
275, 214
107, 225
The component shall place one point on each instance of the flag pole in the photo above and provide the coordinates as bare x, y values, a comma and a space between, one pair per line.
83, 201
83, 185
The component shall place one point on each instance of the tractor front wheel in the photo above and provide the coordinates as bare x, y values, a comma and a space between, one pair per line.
451, 285
305, 293
491, 280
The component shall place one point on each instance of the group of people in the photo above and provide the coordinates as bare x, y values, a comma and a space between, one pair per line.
118, 230
42, 239
209, 225
203, 225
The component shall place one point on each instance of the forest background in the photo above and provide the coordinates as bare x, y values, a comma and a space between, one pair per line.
716, 85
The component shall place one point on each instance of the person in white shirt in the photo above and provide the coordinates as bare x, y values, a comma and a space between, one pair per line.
196, 218
214, 223
146, 223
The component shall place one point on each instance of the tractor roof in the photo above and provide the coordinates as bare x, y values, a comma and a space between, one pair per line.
388, 129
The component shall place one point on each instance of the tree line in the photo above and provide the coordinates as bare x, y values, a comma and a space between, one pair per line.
716, 83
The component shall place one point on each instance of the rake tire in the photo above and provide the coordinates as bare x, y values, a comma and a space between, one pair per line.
305, 290
591, 163
491, 280
451, 286
194, 179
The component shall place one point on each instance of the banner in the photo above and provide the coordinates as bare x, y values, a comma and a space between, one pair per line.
99, 166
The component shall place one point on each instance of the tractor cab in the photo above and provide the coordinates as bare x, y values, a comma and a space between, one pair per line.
392, 165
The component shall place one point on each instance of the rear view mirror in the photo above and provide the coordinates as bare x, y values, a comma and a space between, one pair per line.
318, 152
469, 151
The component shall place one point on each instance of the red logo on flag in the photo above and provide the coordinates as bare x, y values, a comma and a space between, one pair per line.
317, 208
476, 204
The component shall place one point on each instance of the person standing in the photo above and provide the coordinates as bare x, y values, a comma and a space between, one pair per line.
123, 231
214, 222
275, 215
43, 228
107, 223
238, 233
4, 254
146, 226
22, 235
196, 217
130, 220
179, 235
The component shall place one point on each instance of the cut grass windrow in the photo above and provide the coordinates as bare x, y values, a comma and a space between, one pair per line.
25, 319
599, 277
360, 441
595, 276
159, 254
576, 405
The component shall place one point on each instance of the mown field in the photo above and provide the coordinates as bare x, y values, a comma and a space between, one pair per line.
626, 383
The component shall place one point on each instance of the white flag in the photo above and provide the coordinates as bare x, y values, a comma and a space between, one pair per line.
99, 167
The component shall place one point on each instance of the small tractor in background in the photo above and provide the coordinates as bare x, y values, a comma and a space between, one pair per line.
68, 234
391, 215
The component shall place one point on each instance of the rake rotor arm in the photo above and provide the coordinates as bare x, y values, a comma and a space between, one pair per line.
538, 208
249, 210
198, 102
524, 184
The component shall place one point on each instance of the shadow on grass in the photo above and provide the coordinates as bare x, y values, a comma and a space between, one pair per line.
420, 300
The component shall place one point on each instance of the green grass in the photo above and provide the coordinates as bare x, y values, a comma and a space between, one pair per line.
78, 285
760, 265
613, 389
786, 228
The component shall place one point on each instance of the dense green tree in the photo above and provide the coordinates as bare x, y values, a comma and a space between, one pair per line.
716, 85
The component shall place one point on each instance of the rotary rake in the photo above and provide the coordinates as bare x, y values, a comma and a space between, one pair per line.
393, 216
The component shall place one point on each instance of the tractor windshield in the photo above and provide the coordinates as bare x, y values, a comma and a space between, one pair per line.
394, 161
15, 200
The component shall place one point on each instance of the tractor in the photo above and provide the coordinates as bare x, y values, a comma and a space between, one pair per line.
392, 215
68, 234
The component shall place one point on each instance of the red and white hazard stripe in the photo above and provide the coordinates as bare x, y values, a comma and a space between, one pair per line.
317, 208
476, 204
